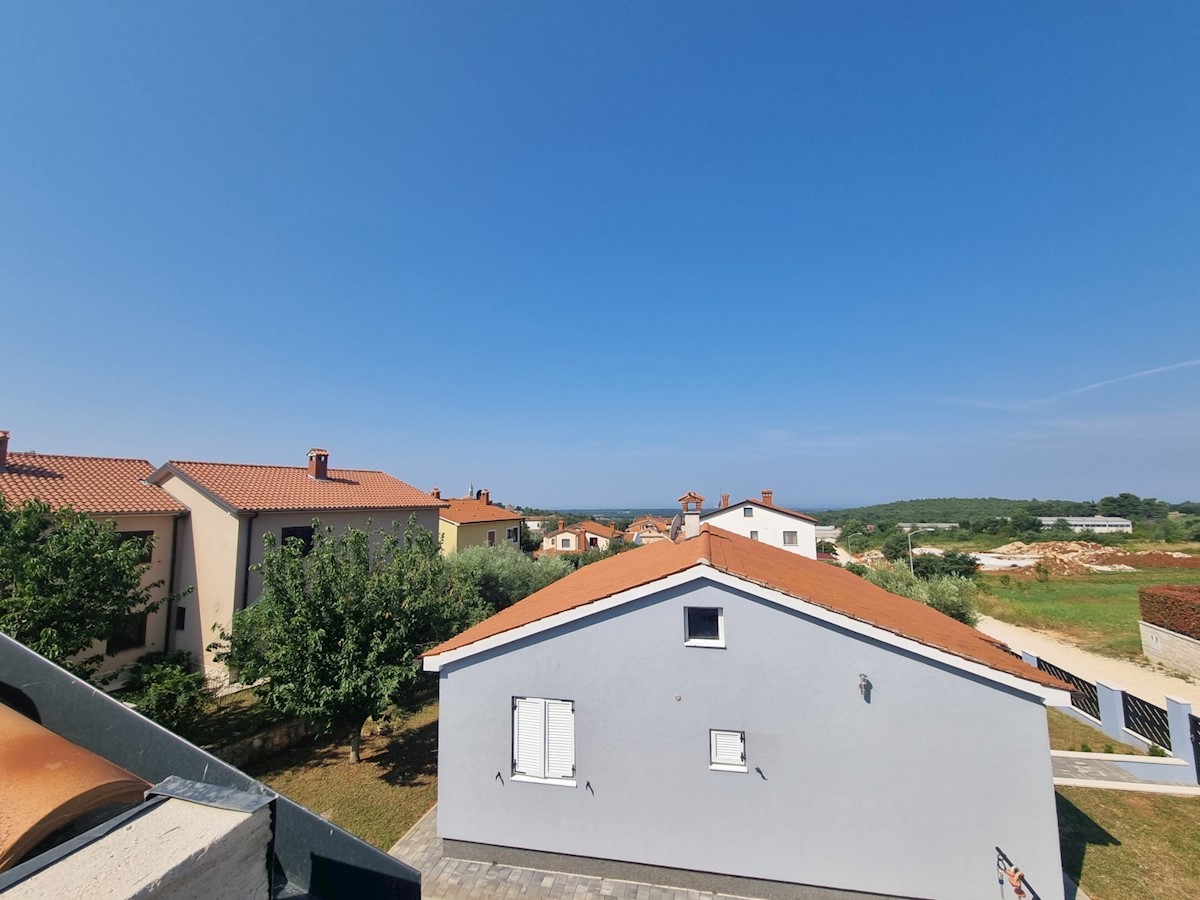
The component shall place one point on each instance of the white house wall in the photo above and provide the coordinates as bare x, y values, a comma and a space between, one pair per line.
907, 794
770, 525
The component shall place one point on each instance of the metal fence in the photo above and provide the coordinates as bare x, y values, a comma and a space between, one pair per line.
1084, 696
1148, 720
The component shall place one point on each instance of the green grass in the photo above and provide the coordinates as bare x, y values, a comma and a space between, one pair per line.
1067, 733
1098, 611
1118, 845
378, 799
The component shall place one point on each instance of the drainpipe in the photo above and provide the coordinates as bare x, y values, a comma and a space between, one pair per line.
170, 629
245, 567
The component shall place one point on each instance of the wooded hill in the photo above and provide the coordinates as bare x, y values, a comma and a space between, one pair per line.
958, 509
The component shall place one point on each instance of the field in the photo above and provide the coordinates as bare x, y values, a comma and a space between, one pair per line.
1098, 611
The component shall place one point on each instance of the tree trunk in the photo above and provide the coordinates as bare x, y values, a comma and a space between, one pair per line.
356, 741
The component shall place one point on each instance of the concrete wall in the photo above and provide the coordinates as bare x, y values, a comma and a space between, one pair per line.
906, 794
474, 534
769, 524
1171, 648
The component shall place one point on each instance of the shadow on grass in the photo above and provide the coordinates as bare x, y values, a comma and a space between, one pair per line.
410, 757
1076, 832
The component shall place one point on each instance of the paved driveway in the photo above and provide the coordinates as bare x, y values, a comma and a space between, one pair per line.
460, 879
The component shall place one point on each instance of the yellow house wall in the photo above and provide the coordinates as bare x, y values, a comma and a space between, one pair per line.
474, 534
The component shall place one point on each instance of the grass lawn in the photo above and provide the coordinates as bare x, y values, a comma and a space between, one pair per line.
378, 799
1099, 611
1118, 845
1067, 733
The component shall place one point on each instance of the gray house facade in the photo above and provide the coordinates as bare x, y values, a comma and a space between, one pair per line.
722, 706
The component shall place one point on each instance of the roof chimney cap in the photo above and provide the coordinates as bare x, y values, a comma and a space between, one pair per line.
768, 497
724, 501
436, 493
3, 449
318, 463
691, 501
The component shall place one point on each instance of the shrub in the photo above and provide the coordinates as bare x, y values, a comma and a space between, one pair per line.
1175, 607
1156, 750
947, 594
162, 687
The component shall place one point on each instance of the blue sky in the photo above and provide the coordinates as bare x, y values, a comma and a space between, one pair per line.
601, 254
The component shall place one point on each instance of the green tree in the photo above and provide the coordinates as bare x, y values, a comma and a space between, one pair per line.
67, 581
337, 633
948, 594
500, 576
896, 546
530, 540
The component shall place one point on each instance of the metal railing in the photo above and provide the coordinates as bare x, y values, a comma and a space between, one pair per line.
1083, 697
1148, 720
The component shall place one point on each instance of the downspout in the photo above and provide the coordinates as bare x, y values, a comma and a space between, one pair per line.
170, 627
245, 567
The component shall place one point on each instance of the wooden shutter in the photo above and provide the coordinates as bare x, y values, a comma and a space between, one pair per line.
728, 748
560, 739
529, 737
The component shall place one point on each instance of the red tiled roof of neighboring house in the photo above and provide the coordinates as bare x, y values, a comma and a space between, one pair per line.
252, 488
97, 485
605, 531
804, 579
466, 511
782, 509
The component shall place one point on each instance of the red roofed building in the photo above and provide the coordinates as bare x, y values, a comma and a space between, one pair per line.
477, 522
233, 506
105, 488
719, 705
581, 536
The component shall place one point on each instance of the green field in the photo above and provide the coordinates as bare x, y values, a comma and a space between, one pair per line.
1098, 611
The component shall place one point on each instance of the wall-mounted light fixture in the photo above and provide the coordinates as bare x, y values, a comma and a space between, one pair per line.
864, 684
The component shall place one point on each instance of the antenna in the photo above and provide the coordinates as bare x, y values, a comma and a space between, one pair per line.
676, 524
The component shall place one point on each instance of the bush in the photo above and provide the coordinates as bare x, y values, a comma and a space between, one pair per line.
162, 687
948, 594
500, 576
1175, 607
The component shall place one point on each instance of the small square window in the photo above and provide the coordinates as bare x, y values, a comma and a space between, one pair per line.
754, 535
748, 512
727, 751
146, 537
705, 626
566, 543
130, 635
491, 538
789, 539
301, 533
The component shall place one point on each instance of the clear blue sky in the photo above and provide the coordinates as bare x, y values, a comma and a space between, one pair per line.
603, 253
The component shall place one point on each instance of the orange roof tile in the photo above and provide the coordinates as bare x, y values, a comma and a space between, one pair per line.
92, 484
467, 510
269, 488
606, 531
804, 579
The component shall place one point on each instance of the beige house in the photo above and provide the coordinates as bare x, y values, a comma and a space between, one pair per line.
107, 488
476, 522
579, 537
232, 506
648, 529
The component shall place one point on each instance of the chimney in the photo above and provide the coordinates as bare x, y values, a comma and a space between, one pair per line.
724, 501
3, 450
436, 493
768, 498
486, 496
561, 524
318, 464
691, 503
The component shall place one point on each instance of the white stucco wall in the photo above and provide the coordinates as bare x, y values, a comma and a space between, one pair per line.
770, 525
907, 794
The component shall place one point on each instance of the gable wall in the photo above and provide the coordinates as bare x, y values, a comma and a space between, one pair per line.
770, 526
908, 794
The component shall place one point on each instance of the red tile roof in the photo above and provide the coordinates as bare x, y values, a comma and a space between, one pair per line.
269, 488
93, 484
605, 531
804, 579
465, 511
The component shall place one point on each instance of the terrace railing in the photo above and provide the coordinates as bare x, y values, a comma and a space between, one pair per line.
1148, 720
1084, 697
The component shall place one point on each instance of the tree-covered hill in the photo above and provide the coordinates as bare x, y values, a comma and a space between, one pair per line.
956, 509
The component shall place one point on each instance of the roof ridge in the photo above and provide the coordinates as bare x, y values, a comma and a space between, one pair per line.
40, 455
200, 462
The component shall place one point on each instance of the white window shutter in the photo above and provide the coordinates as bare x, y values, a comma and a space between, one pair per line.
529, 737
560, 739
728, 748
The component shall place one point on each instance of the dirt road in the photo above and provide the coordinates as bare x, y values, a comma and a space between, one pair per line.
1141, 681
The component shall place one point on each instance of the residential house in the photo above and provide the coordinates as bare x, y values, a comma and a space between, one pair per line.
476, 522
720, 705
647, 529
579, 537
233, 506
762, 520
106, 488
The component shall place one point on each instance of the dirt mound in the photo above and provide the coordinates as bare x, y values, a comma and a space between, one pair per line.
1077, 557
1152, 559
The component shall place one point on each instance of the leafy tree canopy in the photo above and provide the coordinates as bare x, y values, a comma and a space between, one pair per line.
338, 631
500, 576
67, 581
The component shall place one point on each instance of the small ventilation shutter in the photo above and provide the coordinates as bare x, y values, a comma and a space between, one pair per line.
529, 737
728, 748
560, 739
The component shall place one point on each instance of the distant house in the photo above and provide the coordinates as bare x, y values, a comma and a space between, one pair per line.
106, 488
579, 537
720, 705
476, 522
761, 520
647, 529
233, 506
1096, 524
